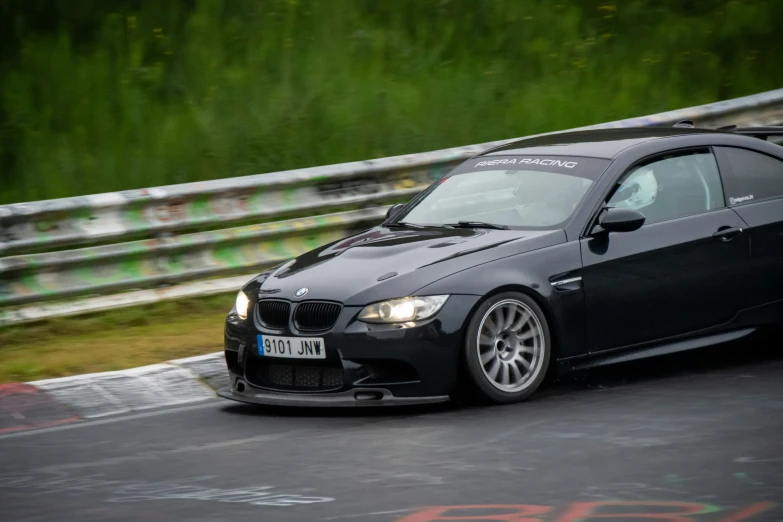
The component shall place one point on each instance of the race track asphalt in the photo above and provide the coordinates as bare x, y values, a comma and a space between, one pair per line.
695, 436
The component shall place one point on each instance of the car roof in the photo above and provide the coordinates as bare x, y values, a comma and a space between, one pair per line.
597, 143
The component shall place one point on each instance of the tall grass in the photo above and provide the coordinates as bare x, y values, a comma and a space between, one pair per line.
165, 91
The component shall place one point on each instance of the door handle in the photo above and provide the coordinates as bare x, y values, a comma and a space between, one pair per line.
727, 233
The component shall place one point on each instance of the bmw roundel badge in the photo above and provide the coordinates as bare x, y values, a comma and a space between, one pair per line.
301, 292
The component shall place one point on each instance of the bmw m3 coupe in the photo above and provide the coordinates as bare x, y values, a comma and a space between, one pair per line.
566, 251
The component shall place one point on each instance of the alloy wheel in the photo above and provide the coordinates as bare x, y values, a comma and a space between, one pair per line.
511, 345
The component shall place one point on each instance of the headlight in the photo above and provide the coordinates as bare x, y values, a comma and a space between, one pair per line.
403, 309
242, 304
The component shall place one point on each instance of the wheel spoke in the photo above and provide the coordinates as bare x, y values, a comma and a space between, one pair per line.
532, 332
525, 348
498, 318
504, 374
522, 318
511, 312
487, 356
491, 325
486, 340
492, 373
524, 362
516, 374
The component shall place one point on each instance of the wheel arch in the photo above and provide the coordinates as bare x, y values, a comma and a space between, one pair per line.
529, 274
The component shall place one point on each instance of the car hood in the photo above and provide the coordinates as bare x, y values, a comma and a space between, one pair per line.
382, 263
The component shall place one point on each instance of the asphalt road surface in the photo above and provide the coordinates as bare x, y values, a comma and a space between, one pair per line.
695, 437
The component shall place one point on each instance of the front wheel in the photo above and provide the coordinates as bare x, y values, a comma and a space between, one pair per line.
508, 347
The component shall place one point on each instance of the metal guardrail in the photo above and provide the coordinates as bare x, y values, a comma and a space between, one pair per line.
153, 262
158, 236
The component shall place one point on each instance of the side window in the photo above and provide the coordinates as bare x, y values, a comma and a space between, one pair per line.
755, 176
671, 186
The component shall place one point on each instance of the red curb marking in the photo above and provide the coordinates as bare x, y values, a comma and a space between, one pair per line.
753, 509
580, 511
47, 424
520, 514
583, 511
17, 388
23, 407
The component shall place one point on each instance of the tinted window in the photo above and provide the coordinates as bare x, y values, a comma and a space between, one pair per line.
671, 186
755, 176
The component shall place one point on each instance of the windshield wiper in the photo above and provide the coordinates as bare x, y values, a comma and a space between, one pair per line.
476, 224
403, 224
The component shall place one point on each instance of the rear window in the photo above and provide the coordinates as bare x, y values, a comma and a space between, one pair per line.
755, 176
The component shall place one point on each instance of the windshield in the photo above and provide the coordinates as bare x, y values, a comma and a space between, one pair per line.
517, 197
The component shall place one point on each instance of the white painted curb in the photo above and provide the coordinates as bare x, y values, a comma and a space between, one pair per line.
175, 382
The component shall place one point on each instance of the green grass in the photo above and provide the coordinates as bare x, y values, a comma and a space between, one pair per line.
113, 340
129, 94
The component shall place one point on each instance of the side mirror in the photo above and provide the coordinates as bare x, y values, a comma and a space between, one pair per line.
393, 211
621, 220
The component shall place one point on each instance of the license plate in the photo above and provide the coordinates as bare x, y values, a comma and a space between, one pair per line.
291, 347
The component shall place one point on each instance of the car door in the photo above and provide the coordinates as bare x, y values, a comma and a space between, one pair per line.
754, 184
681, 271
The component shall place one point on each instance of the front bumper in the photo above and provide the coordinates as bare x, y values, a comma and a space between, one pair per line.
377, 364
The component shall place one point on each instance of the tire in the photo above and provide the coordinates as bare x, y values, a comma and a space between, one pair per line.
526, 336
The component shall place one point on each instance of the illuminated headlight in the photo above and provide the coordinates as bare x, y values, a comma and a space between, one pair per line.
403, 310
242, 304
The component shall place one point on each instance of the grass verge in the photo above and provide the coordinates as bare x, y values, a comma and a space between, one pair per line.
113, 340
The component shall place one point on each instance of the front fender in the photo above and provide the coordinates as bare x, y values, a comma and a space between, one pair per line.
531, 273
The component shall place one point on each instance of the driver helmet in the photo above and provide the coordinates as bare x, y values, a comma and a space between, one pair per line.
639, 190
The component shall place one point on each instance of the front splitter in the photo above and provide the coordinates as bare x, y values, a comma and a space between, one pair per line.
358, 397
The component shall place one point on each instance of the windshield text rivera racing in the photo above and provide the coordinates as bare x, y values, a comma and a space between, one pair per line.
529, 161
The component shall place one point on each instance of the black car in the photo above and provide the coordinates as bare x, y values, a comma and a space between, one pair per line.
576, 249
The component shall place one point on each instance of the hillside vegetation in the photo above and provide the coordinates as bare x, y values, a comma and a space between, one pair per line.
99, 96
